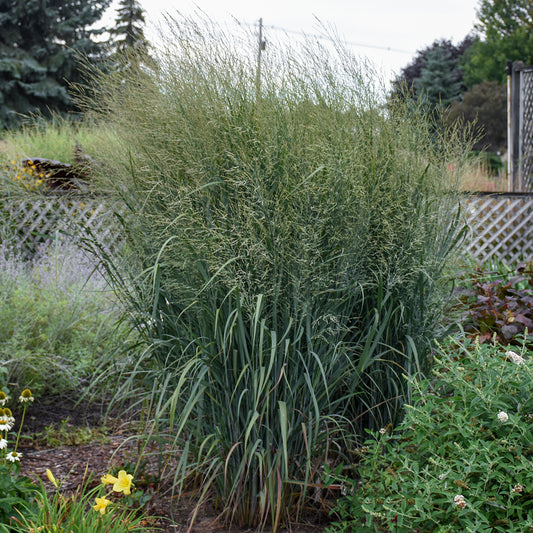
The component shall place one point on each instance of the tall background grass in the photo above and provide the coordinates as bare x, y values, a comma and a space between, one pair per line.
286, 247
55, 139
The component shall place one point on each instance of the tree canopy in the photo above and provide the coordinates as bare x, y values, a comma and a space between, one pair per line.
505, 29
439, 82
470, 78
484, 108
40, 41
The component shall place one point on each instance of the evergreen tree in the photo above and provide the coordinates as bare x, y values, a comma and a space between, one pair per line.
439, 82
128, 32
40, 44
414, 70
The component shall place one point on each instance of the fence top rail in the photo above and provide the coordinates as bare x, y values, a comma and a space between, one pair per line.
501, 194
79, 195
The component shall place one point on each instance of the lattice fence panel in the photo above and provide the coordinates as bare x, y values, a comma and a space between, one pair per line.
37, 220
526, 127
500, 227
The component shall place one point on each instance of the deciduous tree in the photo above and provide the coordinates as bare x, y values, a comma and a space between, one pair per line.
484, 108
505, 30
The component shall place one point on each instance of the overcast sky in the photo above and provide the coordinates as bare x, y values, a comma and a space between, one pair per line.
388, 32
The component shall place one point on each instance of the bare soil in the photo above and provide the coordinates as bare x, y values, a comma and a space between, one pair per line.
72, 464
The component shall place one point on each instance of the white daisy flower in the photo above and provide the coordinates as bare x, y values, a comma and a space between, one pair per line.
13, 456
3, 444
9, 416
26, 396
5, 424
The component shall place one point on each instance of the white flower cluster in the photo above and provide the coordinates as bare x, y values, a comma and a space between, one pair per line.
503, 416
515, 358
7, 421
460, 501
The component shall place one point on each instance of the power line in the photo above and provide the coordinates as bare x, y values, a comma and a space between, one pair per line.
350, 43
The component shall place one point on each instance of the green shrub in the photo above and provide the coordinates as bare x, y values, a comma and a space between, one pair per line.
17, 495
286, 246
461, 460
57, 320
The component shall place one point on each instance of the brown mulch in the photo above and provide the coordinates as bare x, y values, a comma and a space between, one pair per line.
73, 464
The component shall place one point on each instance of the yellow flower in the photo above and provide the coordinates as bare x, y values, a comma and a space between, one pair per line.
52, 479
101, 504
121, 484
108, 479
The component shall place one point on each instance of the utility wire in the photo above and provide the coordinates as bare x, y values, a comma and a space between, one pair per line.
350, 43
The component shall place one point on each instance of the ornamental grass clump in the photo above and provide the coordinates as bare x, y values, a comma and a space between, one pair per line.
286, 238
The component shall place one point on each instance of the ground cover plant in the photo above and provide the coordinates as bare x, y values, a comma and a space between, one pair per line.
286, 237
27, 506
461, 458
103, 508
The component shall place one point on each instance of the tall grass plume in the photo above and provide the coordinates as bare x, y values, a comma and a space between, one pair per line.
286, 241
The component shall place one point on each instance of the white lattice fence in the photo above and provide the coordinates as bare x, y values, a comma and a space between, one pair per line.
36, 219
500, 226
526, 130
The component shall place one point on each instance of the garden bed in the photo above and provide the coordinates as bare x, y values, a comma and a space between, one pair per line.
71, 464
